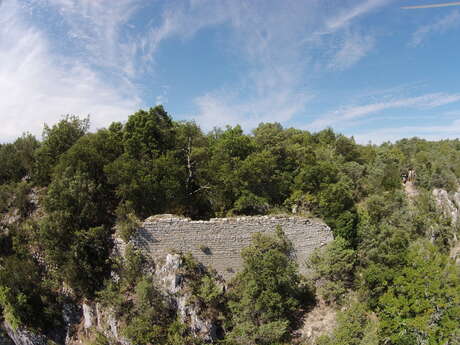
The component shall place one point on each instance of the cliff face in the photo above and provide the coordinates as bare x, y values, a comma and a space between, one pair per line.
218, 242
449, 205
170, 278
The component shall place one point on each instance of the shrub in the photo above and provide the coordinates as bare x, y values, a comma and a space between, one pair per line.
333, 268
127, 221
266, 296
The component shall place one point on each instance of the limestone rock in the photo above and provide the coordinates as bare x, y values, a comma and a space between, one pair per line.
22, 336
171, 280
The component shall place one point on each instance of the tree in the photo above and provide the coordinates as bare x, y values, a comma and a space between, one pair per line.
266, 295
56, 141
87, 261
25, 298
333, 268
150, 316
17, 158
80, 204
354, 327
148, 134
423, 304
192, 150
228, 150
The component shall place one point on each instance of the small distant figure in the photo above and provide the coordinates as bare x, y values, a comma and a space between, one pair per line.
404, 178
411, 175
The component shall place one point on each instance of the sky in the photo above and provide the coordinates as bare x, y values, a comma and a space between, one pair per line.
366, 68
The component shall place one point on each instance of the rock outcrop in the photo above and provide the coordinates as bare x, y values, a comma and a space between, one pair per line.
22, 336
448, 204
216, 243
171, 280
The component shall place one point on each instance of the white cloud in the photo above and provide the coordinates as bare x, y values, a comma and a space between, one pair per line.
354, 48
38, 86
106, 49
448, 131
100, 29
442, 25
344, 115
272, 39
224, 109
347, 15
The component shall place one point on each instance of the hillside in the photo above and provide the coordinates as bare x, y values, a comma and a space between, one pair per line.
73, 204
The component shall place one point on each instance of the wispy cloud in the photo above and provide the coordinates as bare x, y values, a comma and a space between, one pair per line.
108, 45
448, 131
98, 32
354, 47
39, 86
344, 115
442, 25
272, 39
444, 4
225, 109
347, 15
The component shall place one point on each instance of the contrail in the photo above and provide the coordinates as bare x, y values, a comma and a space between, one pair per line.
446, 4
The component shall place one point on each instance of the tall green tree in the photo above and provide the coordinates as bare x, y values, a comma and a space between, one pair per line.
56, 141
265, 297
17, 158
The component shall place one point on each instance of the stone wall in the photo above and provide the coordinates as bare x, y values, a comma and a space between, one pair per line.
219, 241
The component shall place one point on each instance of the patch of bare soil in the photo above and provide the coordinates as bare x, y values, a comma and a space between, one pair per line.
455, 252
410, 189
318, 321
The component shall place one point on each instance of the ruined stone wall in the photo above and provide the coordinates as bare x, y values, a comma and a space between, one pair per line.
219, 241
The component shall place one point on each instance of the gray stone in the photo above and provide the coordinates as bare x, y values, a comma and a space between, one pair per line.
226, 237
22, 336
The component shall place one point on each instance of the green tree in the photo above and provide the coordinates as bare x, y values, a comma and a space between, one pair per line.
87, 262
423, 304
56, 141
148, 134
17, 158
266, 296
354, 327
333, 268
150, 316
228, 149
80, 204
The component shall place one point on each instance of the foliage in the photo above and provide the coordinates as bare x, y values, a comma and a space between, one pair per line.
56, 141
391, 252
17, 159
87, 261
149, 316
333, 268
354, 327
127, 221
266, 295
417, 309
25, 297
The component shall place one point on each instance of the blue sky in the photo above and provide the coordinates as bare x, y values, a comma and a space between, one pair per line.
366, 68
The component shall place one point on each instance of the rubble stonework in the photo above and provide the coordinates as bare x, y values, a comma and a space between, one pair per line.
219, 241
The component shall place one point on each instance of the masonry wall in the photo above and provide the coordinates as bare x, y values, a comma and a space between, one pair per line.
219, 241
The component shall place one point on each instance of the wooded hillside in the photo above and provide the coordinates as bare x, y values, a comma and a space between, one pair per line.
388, 269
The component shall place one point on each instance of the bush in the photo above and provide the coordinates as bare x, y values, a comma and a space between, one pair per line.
250, 204
127, 221
333, 268
150, 317
354, 327
266, 296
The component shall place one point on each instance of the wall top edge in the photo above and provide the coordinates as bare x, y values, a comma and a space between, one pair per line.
171, 218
